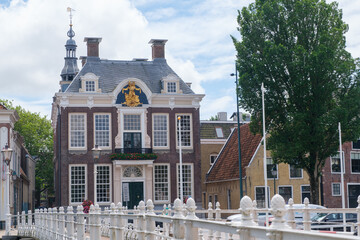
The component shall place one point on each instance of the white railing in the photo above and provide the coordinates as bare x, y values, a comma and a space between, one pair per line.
178, 222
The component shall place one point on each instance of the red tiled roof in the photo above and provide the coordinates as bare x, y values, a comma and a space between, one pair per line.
227, 164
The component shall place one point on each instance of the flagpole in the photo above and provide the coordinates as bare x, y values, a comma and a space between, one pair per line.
342, 176
264, 161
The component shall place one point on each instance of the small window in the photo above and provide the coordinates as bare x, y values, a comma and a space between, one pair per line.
90, 86
219, 132
336, 189
335, 163
295, 172
270, 166
212, 159
285, 192
305, 192
210, 199
215, 199
171, 87
356, 144
355, 162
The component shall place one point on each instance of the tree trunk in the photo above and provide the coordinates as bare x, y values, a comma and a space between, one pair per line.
314, 189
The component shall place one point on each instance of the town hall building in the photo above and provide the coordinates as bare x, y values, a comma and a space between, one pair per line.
131, 110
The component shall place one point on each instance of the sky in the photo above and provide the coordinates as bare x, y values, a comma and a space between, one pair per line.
199, 47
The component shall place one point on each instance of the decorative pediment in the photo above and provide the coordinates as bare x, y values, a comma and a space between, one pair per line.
89, 83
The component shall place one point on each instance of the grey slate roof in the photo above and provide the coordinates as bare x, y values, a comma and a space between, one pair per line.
113, 72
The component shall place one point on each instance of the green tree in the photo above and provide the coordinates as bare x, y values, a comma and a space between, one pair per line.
297, 49
214, 118
38, 138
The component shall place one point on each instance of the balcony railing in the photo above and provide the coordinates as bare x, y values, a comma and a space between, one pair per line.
133, 150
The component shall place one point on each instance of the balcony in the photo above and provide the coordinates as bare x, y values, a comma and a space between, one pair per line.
132, 156
133, 150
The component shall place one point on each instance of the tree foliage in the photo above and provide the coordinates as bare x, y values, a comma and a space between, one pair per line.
38, 140
297, 49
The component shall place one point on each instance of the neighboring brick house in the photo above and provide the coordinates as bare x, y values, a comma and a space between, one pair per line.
222, 182
22, 169
213, 135
331, 178
124, 107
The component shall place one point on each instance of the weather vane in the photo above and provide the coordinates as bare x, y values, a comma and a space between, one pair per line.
69, 9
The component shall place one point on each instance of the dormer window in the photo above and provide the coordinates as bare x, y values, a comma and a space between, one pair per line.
171, 84
90, 83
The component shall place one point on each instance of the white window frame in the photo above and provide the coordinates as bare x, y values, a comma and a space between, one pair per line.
191, 130
301, 191
192, 179
343, 158
302, 173
268, 192
292, 190
110, 183
167, 131
86, 183
170, 79
219, 131
332, 189
168, 183
89, 77
110, 130
351, 162
85, 131
213, 155
168, 85
143, 127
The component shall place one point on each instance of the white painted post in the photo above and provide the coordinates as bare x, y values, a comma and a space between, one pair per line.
29, 223
55, 223
150, 225
210, 218
48, 234
38, 223
70, 222
291, 216
254, 212
112, 221
278, 210
246, 208
120, 222
306, 216
22, 219
61, 223
217, 212
141, 221
178, 229
190, 231
80, 226
96, 223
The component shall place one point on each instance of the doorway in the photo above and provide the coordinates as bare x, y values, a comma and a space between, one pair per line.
133, 193
354, 192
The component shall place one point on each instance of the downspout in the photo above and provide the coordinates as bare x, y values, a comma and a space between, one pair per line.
59, 156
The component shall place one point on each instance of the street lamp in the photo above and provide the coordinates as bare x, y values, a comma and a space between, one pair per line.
96, 156
238, 127
180, 161
273, 172
6, 154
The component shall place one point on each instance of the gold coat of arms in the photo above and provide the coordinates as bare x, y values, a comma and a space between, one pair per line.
131, 99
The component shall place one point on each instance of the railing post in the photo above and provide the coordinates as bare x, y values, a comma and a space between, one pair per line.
48, 233
119, 222
80, 226
29, 223
150, 224
70, 223
178, 229
55, 223
278, 210
210, 218
21, 223
37, 223
246, 208
141, 221
306, 216
217, 212
61, 223
254, 212
97, 223
291, 215
191, 232
358, 216
112, 228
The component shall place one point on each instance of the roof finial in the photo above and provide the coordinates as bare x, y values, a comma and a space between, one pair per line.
70, 33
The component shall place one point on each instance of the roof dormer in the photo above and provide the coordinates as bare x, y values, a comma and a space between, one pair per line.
90, 83
171, 84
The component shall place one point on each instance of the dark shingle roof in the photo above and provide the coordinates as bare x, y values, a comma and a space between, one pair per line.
207, 129
227, 163
112, 73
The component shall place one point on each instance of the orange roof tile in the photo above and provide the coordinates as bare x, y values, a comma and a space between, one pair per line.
227, 164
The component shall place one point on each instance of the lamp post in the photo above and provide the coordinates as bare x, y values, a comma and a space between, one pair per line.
273, 172
238, 127
96, 155
7, 153
180, 161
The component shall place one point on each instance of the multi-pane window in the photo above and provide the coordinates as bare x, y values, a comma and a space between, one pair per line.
77, 130
161, 185
102, 130
335, 163
356, 144
171, 87
305, 192
77, 184
132, 122
260, 196
160, 132
285, 192
270, 168
295, 172
336, 189
212, 159
90, 86
103, 181
185, 123
355, 162
187, 180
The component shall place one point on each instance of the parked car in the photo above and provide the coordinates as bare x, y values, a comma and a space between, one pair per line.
331, 219
237, 218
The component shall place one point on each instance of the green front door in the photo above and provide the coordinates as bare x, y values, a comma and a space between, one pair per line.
136, 194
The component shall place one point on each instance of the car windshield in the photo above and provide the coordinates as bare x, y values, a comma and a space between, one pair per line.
318, 217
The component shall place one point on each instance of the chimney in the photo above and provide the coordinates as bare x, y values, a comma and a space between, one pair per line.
92, 46
222, 116
158, 48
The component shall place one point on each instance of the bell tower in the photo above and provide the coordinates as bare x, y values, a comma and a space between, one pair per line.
70, 69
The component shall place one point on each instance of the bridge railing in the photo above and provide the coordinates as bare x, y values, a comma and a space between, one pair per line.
177, 222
